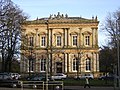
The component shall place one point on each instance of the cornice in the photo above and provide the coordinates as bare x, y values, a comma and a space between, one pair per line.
69, 20
62, 22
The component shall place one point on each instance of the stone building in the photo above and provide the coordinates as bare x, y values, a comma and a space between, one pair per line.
60, 44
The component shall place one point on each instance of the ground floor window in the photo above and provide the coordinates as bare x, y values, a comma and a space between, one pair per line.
30, 64
42, 65
74, 64
88, 64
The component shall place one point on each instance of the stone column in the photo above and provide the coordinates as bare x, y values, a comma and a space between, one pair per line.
92, 37
48, 36
67, 63
65, 66
92, 63
97, 62
96, 36
63, 63
51, 37
80, 37
64, 38
67, 37
51, 41
36, 38
83, 39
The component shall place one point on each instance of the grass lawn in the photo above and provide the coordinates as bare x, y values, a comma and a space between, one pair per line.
94, 82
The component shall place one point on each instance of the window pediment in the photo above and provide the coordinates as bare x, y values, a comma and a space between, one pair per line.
30, 34
42, 33
58, 33
73, 33
86, 33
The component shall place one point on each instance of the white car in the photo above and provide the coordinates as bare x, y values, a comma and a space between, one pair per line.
83, 76
15, 75
59, 76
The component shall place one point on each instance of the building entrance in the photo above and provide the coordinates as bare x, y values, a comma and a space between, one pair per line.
58, 67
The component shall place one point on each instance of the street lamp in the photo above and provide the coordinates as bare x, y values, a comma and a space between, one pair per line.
30, 60
78, 64
47, 55
118, 48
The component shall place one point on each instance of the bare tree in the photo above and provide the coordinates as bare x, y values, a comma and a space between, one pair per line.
11, 18
112, 27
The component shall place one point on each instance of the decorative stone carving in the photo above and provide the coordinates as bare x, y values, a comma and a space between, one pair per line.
58, 16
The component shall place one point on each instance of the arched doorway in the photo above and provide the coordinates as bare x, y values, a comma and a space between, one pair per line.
58, 67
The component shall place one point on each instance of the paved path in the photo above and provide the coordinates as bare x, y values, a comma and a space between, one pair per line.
67, 88
82, 88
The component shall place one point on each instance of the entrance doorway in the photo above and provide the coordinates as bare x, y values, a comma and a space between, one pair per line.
58, 67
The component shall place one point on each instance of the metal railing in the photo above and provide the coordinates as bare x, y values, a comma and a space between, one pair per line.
52, 85
34, 84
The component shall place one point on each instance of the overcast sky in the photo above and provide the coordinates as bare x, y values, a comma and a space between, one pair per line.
83, 8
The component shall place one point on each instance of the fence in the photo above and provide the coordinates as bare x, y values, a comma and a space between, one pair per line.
41, 85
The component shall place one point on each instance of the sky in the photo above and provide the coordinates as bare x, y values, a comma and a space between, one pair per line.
74, 8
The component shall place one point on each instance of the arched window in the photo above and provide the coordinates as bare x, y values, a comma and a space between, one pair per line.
88, 64
42, 65
74, 64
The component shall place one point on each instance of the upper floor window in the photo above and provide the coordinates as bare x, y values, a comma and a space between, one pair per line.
74, 41
87, 40
31, 41
43, 41
59, 41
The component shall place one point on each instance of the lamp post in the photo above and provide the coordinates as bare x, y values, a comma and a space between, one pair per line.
47, 55
30, 60
118, 48
78, 64
77, 67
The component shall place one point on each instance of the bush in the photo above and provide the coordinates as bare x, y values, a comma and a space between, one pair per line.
94, 82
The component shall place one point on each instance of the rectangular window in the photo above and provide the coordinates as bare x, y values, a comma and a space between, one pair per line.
43, 65
58, 40
43, 41
74, 40
31, 41
87, 40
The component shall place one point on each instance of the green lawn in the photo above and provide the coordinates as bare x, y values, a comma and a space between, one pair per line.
95, 82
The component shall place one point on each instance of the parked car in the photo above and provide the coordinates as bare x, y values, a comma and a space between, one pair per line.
59, 76
106, 77
15, 75
83, 76
37, 78
6, 80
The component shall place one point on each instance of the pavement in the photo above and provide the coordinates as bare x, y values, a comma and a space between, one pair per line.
67, 88
91, 88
